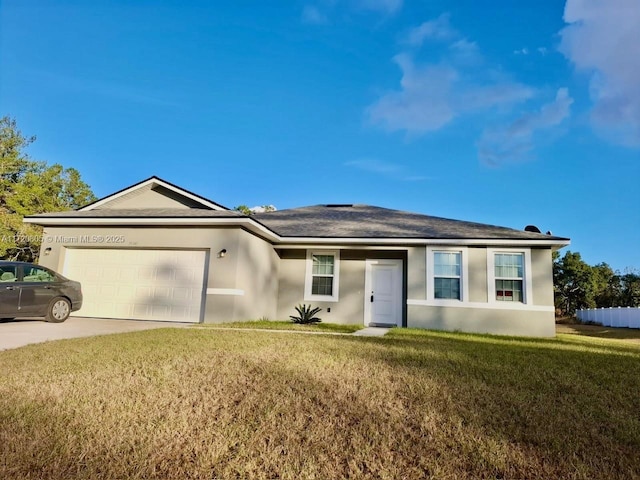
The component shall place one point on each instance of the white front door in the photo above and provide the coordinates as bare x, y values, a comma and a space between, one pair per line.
383, 292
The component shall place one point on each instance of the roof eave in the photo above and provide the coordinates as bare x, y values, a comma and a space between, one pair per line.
299, 242
287, 241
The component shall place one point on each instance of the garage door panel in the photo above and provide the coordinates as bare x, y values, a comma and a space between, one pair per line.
139, 284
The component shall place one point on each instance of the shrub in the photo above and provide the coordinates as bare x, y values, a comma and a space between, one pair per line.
305, 314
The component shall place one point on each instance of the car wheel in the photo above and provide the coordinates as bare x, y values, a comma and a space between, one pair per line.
59, 310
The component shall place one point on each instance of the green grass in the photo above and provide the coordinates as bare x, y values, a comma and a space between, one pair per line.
284, 325
206, 403
631, 335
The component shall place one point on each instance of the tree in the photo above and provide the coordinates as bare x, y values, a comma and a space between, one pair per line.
259, 209
579, 285
243, 209
573, 282
629, 290
29, 187
606, 285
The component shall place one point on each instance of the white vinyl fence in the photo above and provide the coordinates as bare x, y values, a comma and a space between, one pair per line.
611, 317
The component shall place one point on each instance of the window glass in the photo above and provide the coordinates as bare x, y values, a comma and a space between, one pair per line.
509, 273
33, 274
509, 290
509, 265
446, 288
323, 264
7, 274
322, 275
446, 268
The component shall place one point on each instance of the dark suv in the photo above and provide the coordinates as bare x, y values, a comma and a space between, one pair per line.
28, 290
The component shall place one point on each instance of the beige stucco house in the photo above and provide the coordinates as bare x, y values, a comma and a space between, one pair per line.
155, 251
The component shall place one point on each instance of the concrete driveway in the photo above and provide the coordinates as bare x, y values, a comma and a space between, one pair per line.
21, 332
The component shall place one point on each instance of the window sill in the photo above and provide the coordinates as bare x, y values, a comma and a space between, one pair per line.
320, 298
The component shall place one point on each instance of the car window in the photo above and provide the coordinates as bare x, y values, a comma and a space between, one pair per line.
34, 274
8, 274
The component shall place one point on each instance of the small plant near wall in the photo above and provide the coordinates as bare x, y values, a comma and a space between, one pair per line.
306, 314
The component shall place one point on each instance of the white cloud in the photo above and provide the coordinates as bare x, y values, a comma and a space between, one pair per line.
461, 83
431, 96
500, 93
513, 142
422, 104
602, 38
437, 29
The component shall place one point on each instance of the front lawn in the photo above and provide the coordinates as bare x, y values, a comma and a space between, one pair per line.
630, 335
209, 404
284, 325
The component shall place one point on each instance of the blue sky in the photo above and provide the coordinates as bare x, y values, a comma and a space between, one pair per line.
501, 112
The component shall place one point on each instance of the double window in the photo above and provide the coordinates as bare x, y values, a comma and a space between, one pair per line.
322, 275
508, 276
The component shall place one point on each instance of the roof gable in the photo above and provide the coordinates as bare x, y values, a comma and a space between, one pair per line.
153, 193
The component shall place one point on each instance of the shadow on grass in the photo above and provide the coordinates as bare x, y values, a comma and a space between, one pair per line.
562, 342
567, 399
598, 331
411, 405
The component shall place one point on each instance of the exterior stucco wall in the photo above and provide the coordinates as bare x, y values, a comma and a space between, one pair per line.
542, 276
257, 274
249, 265
349, 309
417, 273
159, 197
480, 314
257, 280
477, 274
483, 320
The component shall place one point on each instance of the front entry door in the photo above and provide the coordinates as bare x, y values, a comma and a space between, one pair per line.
383, 292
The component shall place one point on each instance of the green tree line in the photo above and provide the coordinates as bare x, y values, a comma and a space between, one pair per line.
580, 285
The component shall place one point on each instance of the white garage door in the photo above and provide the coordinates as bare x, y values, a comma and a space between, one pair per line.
138, 284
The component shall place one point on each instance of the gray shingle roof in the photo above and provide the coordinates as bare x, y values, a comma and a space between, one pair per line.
364, 221
322, 221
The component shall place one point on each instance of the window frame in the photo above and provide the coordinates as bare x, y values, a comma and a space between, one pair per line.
308, 295
527, 285
464, 275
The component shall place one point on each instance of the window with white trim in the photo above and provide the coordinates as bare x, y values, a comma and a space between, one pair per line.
447, 274
447, 268
509, 277
322, 274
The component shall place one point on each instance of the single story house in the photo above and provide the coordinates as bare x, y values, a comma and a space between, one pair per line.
155, 251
